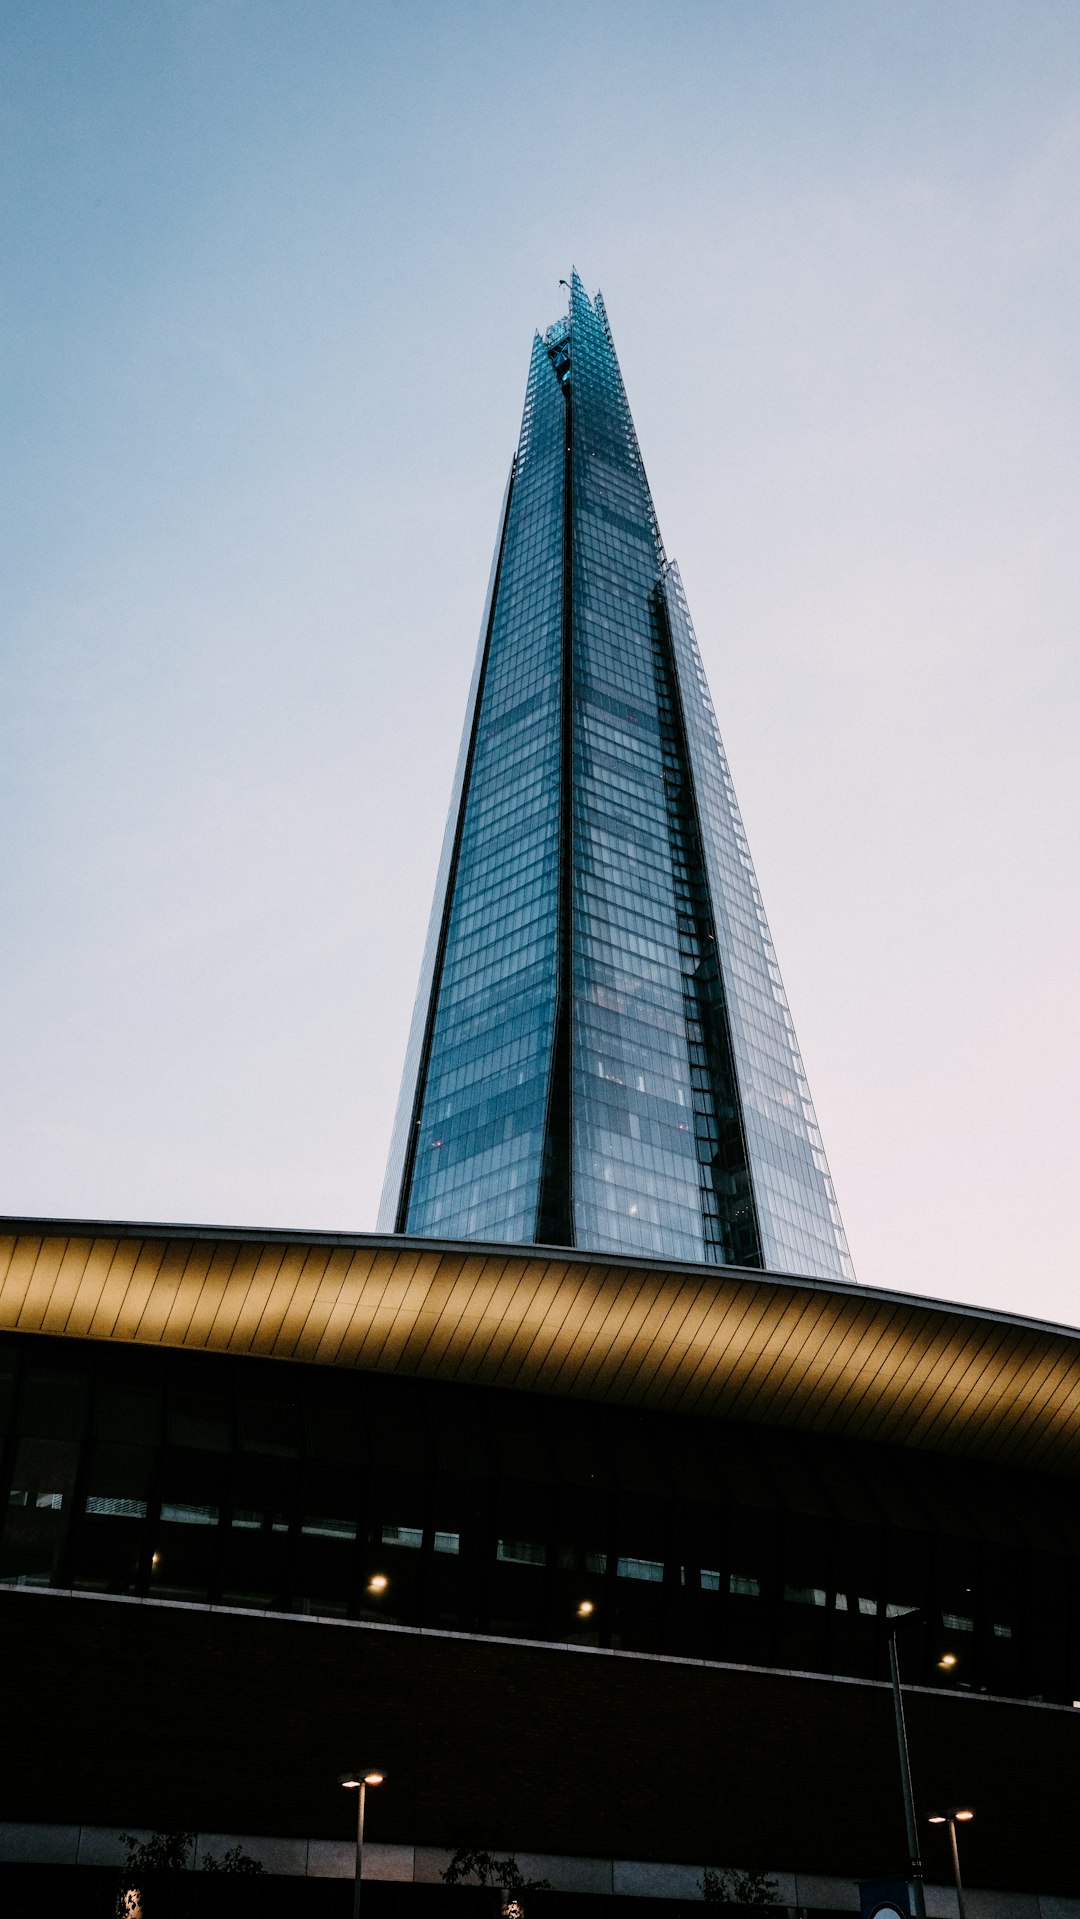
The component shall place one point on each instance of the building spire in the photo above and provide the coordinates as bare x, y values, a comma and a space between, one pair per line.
602, 1054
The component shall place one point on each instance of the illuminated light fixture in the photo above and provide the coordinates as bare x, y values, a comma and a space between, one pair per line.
155, 1561
951, 1817
585, 1609
358, 1781
513, 1909
377, 1583
947, 1661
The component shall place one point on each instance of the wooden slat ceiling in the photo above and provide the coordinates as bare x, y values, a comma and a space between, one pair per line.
709, 1340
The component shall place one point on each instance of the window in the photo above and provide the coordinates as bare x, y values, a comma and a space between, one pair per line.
745, 1585
190, 1515
107, 1507
522, 1552
201, 1420
652, 1569
411, 1536
572, 1559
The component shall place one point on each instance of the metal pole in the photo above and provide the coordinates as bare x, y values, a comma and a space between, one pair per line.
914, 1860
956, 1865
359, 1851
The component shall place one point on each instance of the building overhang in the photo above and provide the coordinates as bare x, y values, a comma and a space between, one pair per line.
763, 1348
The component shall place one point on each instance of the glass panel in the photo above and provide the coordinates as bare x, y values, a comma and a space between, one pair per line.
798, 1219
479, 1147
54, 1402
186, 1536
38, 1511
650, 1569
522, 1552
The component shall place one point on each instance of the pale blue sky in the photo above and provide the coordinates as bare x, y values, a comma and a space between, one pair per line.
271, 277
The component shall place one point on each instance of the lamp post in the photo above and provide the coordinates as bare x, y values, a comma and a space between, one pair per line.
949, 1818
358, 1781
914, 1860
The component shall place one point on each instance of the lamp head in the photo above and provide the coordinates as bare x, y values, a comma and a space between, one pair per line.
361, 1776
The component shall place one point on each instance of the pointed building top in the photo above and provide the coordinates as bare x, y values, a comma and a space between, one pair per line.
602, 1055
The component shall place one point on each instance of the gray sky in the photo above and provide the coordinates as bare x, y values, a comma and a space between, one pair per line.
272, 274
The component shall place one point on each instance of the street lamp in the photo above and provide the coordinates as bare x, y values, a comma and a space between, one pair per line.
358, 1781
950, 1818
914, 1860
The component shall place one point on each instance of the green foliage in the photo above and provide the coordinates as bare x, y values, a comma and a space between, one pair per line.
469, 1863
728, 1887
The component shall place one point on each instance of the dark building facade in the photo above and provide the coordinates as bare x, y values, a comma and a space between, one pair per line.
598, 1558
602, 1054
262, 1486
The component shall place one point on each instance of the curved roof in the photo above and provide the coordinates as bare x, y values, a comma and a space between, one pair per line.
760, 1347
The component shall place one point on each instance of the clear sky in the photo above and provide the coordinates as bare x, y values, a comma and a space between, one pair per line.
271, 275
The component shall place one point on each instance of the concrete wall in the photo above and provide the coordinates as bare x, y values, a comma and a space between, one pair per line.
423, 1865
618, 1767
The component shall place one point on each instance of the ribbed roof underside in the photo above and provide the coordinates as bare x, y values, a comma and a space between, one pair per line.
768, 1349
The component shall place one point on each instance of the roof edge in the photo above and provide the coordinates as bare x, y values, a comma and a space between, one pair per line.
34, 1226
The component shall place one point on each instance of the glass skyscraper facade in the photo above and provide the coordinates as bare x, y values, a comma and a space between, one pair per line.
601, 1053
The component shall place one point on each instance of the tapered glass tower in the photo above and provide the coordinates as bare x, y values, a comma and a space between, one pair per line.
601, 1053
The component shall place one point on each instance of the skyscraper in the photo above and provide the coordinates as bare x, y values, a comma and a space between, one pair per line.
601, 1053
417, 1481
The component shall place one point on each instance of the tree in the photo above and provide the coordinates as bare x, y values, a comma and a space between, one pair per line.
468, 1863
729, 1887
235, 1861
155, 1879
